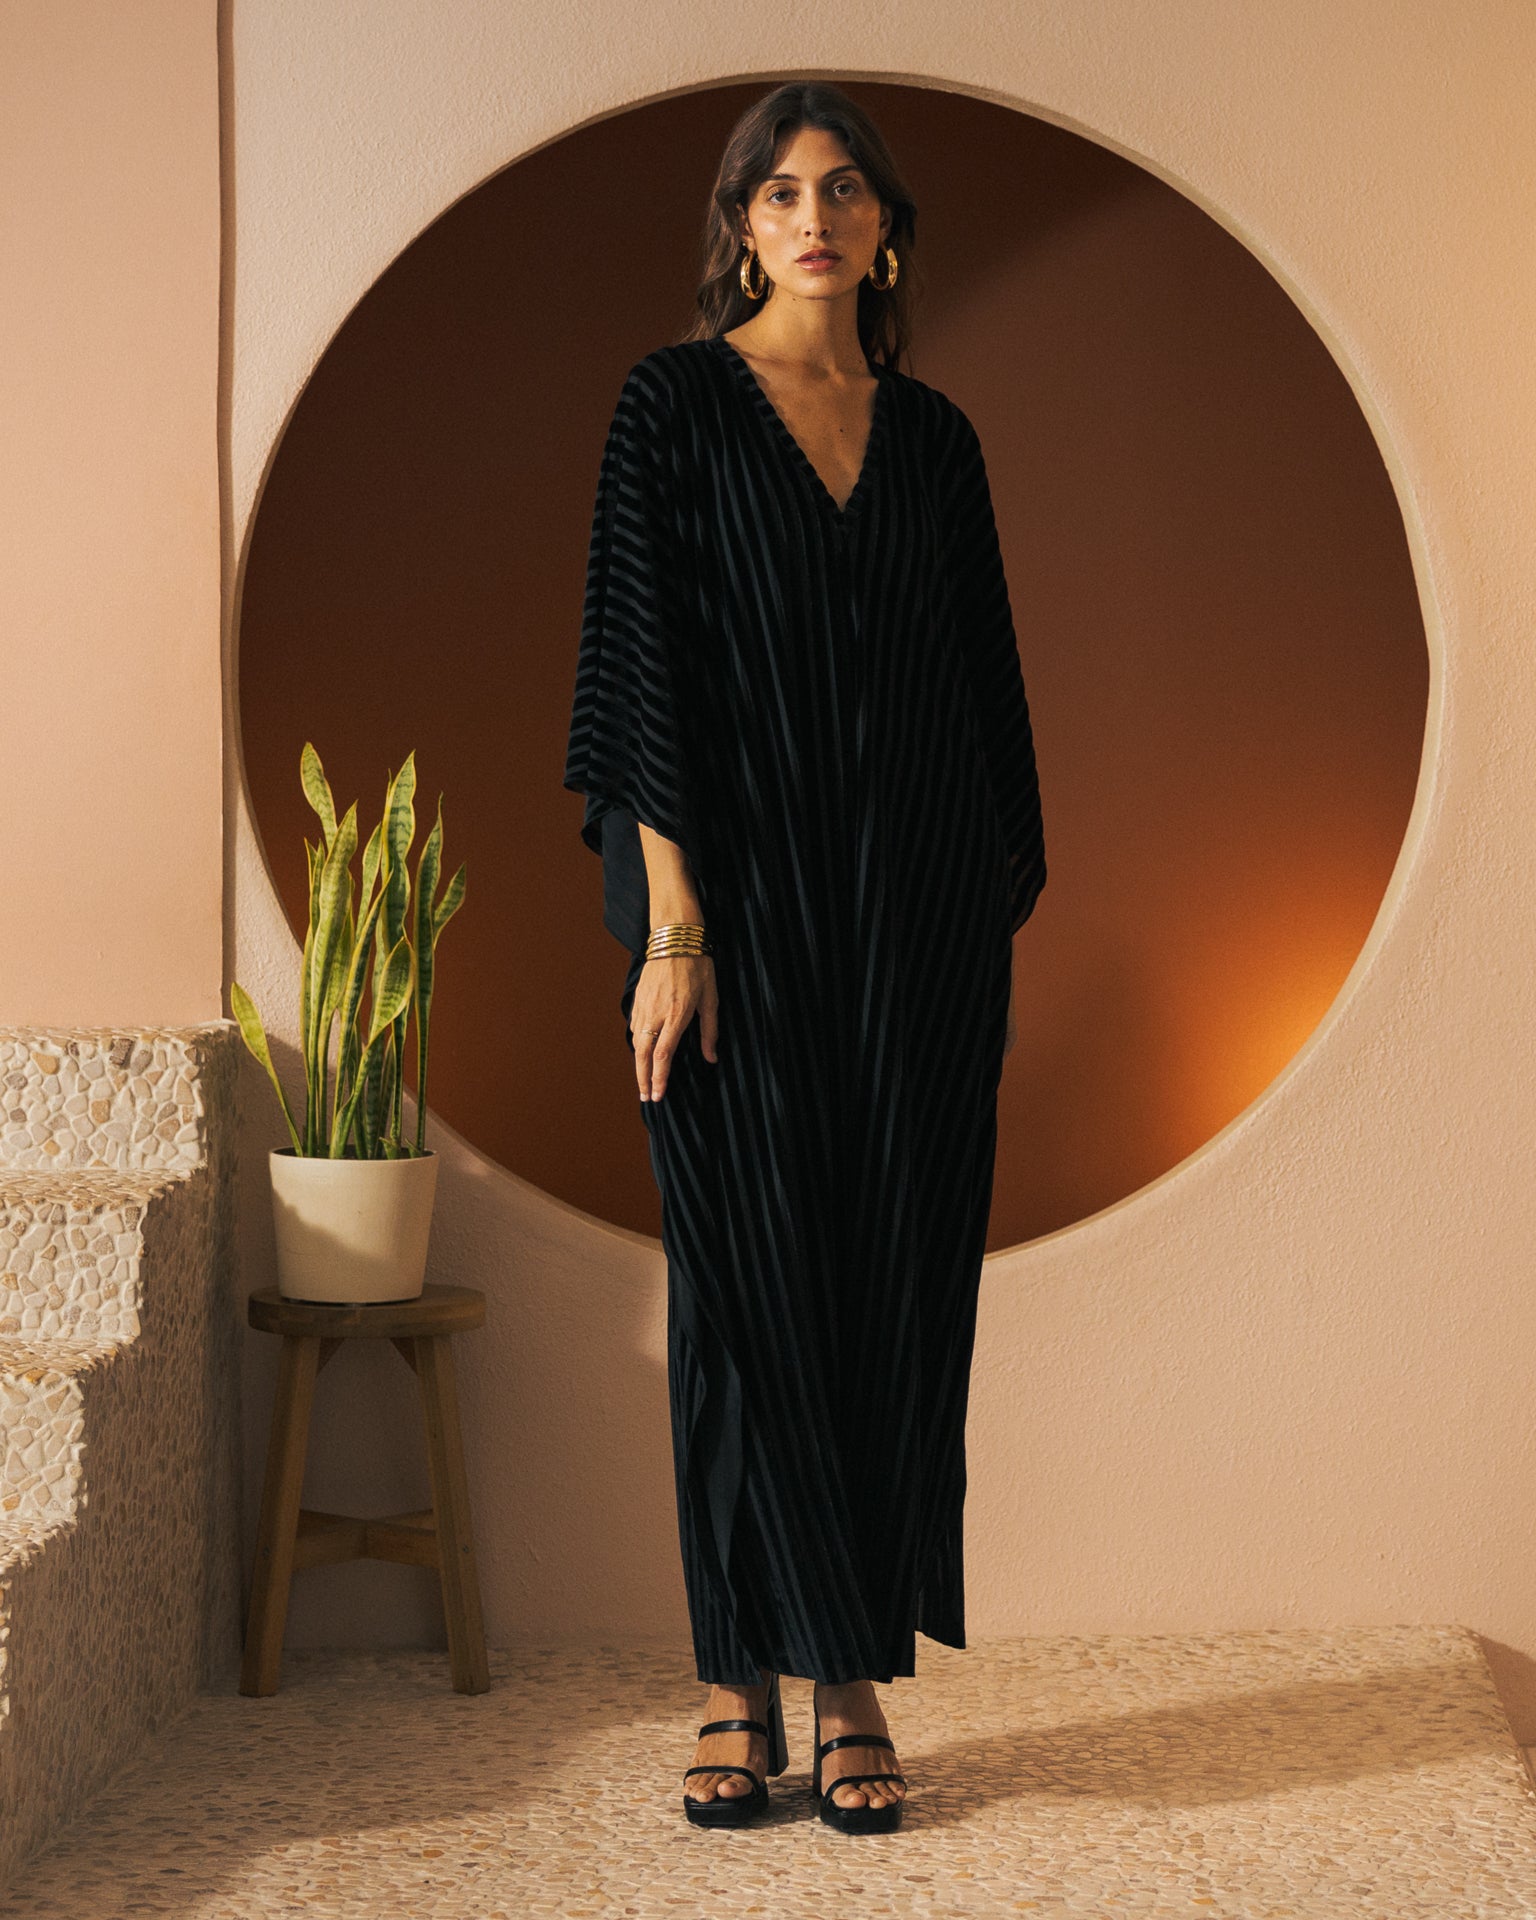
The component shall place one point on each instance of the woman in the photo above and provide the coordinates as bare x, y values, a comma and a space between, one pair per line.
801, 727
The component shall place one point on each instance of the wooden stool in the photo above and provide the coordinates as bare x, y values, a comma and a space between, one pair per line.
290, 1536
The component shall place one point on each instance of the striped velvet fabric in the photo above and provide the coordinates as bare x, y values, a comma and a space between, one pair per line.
824, 708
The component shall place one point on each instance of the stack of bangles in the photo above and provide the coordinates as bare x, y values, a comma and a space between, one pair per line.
680, 936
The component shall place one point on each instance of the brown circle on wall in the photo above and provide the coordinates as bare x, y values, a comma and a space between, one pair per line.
1217, 616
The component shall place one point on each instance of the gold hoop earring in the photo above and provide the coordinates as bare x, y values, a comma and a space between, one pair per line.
752, 293
892, 267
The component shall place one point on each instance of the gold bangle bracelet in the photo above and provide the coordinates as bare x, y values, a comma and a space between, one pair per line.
677, 937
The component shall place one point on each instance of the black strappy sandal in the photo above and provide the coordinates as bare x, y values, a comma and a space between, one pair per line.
739, 1808
865, 1819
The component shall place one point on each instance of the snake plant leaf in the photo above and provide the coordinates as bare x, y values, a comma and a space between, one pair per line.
346, 1113
353, 1110
305, 968
332, 895
336, 986
368, 1098
350, 1111
371, 1112
427, 870
336, 980
399, 831
349, 1054
334, 892
428, 867
375, 1095
357, 968
395, 996
317, 790
372, 854
315, 857
399, 825
312, 858
448, 906
370, 1088
347, 1062
255, 1037
397, 1104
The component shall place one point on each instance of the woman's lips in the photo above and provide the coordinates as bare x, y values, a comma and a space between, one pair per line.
818, 262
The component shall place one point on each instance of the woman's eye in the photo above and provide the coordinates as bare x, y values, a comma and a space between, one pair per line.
838, 186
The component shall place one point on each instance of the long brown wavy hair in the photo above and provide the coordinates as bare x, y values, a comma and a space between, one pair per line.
753, 150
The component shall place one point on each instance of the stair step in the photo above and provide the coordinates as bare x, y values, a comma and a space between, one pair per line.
42, 1438
71, 1245
119, 1568
102, 1097
69, 1252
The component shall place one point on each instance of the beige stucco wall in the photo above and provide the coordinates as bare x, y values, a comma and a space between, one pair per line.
109, 514
1287, 1382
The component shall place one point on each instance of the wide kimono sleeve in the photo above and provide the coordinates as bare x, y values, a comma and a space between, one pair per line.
628, 744
977, 592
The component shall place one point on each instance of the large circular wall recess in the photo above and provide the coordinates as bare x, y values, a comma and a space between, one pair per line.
1216, 608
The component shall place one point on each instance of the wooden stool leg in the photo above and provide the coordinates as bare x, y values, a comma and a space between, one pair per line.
279, 1523
450, 1501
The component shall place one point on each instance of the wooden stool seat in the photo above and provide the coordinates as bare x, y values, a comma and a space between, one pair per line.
437, 1310
290, 1536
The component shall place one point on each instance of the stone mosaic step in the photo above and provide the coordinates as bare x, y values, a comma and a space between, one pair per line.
70, 1246
103, 1097
42, 1438
119, 1571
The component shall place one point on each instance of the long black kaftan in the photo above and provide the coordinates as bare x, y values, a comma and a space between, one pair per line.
825, 710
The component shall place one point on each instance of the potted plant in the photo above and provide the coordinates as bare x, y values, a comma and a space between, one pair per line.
352, 1200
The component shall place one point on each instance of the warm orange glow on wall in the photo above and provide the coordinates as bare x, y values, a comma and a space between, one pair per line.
1220, 631
1243, 1005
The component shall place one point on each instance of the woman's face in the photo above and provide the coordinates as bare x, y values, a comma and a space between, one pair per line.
816, 202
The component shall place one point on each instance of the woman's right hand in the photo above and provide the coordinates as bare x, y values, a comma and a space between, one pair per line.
669, 992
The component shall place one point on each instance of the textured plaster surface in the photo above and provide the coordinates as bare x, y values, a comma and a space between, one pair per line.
1286, 1383
119, 1423
1267, 1776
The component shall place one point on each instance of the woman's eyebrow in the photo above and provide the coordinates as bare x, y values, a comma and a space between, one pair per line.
847, 167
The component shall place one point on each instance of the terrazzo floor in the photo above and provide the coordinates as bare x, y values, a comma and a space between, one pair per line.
1368, 1772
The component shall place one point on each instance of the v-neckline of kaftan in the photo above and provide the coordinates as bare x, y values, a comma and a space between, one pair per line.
775, 419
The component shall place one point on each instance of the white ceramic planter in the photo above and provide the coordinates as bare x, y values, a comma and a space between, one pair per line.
351, 1230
